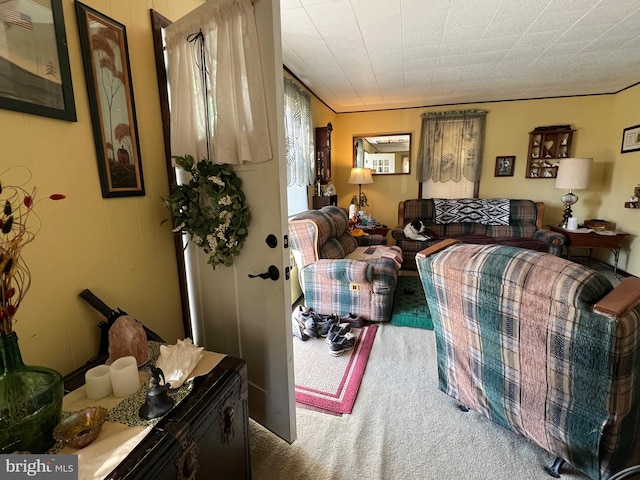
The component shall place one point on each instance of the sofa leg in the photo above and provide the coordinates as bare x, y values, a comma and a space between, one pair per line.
463, 407
554, 470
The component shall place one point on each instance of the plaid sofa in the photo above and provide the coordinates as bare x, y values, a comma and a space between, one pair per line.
336, 275
540, 345
524, 229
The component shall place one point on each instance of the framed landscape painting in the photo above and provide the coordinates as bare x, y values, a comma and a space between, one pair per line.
35, 76
106, 64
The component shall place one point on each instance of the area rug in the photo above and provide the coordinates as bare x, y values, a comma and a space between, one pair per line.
410, 305
329, 383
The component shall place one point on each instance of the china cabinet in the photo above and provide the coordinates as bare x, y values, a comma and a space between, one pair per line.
547, 146
323, 154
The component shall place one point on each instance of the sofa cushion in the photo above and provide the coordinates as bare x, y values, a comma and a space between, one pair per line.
485, 211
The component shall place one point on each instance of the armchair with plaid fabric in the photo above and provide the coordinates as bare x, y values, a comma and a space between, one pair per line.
336, 275
541, 346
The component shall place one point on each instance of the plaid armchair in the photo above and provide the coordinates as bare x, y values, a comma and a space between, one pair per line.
540, 345
336, 275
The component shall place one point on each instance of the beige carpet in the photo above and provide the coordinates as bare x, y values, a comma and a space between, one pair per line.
401, 428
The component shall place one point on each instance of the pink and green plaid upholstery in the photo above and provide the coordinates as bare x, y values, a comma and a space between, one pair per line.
522, 230
332, 283
520, 342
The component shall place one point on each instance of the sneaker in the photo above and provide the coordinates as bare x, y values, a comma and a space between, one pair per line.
325, 324
343, 344
310, 326
298, 331
297, 324
356, 321
338, 330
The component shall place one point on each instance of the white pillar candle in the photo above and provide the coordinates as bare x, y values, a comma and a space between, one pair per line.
124, 376
98, 381
572, 223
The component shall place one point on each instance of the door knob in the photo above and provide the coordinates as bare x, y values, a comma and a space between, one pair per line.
273, 273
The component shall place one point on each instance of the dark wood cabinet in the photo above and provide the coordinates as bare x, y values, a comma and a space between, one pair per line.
547, 147
323, 154
204, 436
320, 201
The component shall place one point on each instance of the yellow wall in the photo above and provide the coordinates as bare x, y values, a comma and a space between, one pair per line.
118, 249
598, 121
115, 247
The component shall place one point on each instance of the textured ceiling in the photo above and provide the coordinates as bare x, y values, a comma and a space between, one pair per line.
359, 55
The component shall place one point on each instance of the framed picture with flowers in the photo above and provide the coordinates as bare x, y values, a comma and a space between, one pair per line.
108, 74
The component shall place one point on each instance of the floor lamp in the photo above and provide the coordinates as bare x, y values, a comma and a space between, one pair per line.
573, 174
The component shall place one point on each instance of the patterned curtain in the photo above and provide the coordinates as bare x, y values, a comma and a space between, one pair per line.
298, 135
450, 146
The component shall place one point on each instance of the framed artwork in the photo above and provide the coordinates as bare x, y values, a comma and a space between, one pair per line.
504, 166
631, 139
108, 74
35, 76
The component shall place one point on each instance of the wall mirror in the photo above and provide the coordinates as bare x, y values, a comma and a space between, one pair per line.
387, 154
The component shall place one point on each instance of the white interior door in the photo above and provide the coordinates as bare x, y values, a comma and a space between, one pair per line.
250, 317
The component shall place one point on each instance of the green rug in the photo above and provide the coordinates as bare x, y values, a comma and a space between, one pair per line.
410, 305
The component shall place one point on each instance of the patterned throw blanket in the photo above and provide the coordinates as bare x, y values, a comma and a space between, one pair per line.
485, 211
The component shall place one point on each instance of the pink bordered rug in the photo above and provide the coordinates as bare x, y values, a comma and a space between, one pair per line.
329, 383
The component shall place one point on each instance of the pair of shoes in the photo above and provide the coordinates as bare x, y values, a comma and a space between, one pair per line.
315, 324
340, 338
337, 330
342, 344
325, 324
354, 320
298, 324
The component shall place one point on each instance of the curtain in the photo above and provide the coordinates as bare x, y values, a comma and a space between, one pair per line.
298, 135
450, 146
217, 100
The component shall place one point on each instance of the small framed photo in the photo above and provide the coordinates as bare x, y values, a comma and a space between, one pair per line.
504, 166
631, 139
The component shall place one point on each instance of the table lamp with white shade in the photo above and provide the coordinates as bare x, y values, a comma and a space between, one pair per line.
573, 174
361, 176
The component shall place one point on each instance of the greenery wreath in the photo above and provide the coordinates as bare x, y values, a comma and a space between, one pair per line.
211, 208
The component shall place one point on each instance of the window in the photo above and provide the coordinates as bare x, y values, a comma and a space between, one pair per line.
450, 153
299, 146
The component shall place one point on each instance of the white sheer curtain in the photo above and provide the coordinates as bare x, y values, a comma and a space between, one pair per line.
298, 135
450, 153
216, 95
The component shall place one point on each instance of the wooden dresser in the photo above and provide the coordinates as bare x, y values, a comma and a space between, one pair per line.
205, 436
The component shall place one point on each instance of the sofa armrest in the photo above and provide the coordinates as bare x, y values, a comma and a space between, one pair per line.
343, 270
555, 240
398, 232
619, 301
437, 247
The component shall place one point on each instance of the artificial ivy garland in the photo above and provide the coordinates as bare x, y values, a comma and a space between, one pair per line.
211, 208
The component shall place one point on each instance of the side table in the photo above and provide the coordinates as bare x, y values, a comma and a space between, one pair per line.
374, 229
591, 240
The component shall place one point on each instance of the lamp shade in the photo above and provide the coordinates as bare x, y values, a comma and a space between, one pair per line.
573, 173
360, 176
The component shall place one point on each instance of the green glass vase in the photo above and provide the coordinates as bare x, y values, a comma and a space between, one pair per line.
30, 401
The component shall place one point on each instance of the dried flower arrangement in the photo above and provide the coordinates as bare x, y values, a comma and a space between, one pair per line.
15, 277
